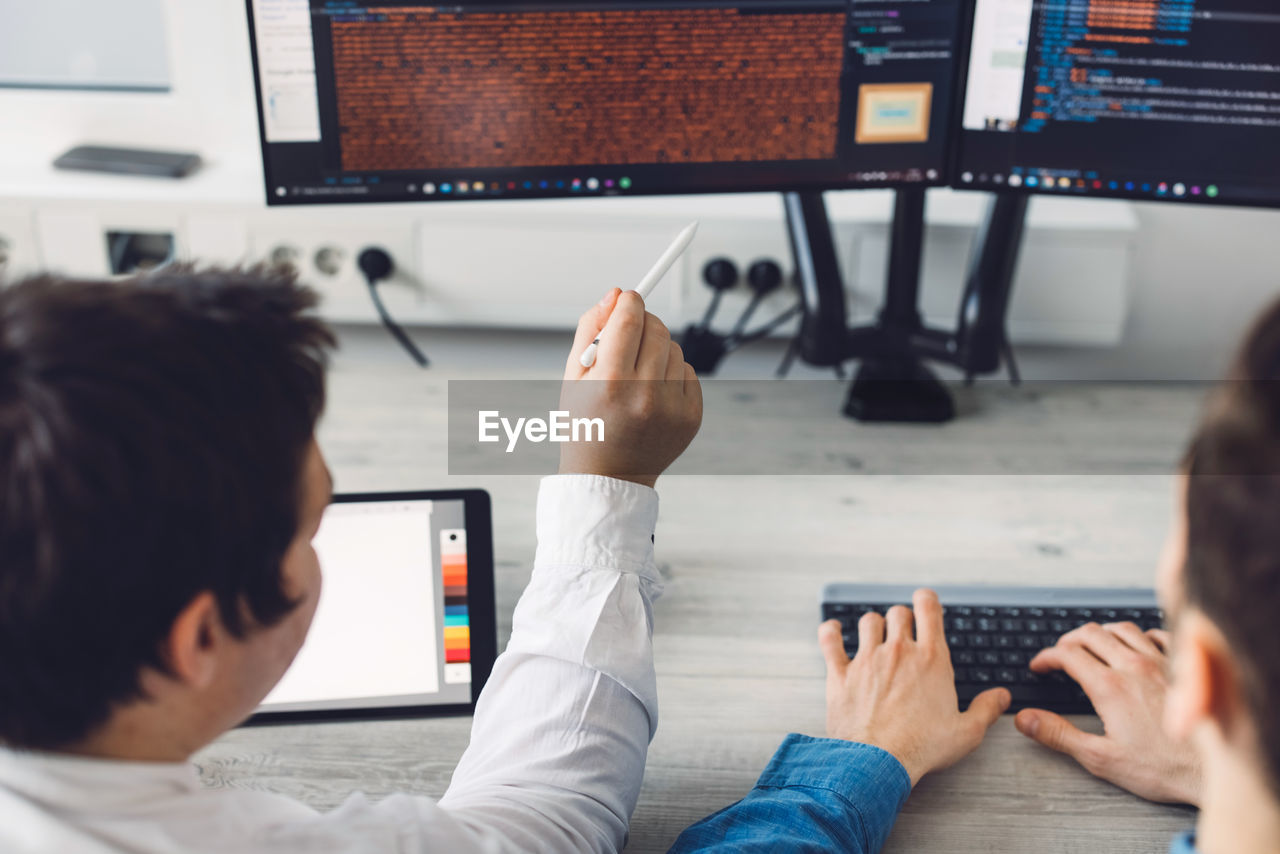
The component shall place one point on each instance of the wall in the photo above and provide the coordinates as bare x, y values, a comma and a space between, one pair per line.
1199, 277
210, 106
1198, 274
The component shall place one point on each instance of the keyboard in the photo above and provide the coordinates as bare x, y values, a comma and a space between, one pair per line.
994, 632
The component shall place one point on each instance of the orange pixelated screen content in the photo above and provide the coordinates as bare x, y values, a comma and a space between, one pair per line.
426, 89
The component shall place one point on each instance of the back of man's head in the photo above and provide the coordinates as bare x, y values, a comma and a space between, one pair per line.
152, 438
1232, 571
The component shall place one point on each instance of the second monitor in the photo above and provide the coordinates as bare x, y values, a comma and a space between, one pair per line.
508, 99
1175, 100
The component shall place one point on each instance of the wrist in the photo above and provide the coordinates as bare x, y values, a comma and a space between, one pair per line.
911, 766
914, 768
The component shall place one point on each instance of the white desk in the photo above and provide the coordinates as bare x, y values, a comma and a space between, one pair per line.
745, 558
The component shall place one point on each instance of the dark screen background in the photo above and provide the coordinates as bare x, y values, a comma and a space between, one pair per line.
1160, 91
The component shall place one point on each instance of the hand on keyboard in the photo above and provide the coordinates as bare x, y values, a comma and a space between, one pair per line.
898, 692
1122, 669
993, 645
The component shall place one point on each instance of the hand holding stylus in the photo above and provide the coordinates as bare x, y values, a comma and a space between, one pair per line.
649, 282
641, 388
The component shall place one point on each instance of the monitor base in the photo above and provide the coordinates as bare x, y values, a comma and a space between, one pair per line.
898, 391
893, 384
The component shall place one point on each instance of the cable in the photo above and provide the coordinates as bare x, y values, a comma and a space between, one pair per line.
742, 340
376, 265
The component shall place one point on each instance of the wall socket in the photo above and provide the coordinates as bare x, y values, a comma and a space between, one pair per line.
325, 258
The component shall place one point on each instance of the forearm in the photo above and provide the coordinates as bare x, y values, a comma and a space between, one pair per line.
562, 729
815, 795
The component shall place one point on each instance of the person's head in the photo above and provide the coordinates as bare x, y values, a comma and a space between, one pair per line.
160, 487
1220, 578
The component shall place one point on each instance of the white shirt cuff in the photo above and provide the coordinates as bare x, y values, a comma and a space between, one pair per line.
587, 520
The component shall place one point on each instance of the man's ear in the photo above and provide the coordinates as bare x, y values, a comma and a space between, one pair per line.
1206, 681
193, 642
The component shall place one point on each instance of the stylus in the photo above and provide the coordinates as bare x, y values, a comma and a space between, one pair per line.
649, 282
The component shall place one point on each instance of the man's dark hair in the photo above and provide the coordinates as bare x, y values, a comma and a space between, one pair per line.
153, 434
1232, 571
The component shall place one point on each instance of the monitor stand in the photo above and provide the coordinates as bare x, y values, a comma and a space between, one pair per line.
893, 382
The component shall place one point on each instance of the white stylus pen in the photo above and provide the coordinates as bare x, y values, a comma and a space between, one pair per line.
649, 282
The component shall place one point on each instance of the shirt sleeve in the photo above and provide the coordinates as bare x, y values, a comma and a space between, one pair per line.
562, 728
817, 794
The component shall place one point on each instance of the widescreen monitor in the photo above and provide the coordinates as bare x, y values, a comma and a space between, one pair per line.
405, 101
1174, 100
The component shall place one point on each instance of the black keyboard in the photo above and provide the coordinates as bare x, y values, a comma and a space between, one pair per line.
993, 639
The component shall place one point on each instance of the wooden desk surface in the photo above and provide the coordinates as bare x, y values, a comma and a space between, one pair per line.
745, 558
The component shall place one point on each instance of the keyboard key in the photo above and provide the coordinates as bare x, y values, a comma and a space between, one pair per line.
989, 658
1041, 694
979, 641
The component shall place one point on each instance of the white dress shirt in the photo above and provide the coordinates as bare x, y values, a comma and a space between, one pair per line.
557, 748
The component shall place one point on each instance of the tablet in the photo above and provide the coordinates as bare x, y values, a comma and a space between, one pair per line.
405, 624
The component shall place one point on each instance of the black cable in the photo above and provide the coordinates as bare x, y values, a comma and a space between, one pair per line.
763, 331
1015, 376
711, 310
377, 265
394, 328
745, 318
788, 359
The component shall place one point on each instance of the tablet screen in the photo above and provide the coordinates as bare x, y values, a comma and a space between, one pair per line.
393, 626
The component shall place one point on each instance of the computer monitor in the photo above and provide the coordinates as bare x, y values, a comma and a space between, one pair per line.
404, 101
1173, 100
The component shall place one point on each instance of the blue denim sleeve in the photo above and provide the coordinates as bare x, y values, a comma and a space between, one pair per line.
817, 794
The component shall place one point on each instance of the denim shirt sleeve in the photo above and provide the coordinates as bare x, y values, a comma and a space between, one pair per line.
817, 794
1184, 844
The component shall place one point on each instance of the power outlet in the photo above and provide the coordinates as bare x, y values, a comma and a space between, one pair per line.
743, 243
325, 258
